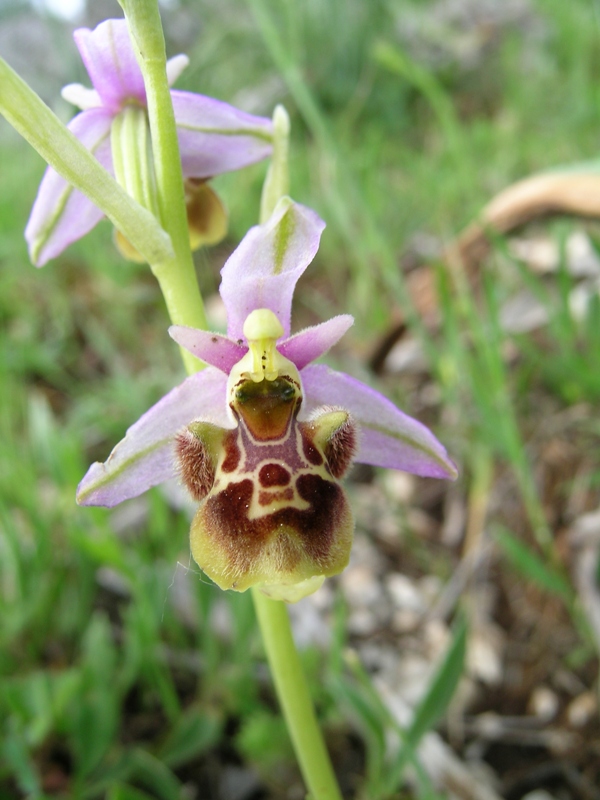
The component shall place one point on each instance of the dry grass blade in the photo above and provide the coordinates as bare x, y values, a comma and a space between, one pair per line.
569, 193
575, 193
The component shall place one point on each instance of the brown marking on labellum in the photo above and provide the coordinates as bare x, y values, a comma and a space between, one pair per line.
267, 498
196, 466
341, 448
232, 453
318, 523
318, 536
274, 475
311, 453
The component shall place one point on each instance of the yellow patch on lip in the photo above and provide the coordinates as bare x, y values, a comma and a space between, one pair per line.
264, 387
263, 361
262, 329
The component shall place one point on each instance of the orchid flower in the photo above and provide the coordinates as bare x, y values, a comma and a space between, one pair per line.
262, 436
214, 137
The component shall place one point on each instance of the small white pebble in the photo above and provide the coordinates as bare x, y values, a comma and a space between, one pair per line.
430, 587
582, 709
543, 703
360, 585
362, 622
309, 625
405, 620
483, 659
420, 523
538, 794
436, 636
400, 485
388, 527
404, 593
490, 725
324, 597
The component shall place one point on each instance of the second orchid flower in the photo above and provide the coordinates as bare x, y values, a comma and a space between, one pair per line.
214, 137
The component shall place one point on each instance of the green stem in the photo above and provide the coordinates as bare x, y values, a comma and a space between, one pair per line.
38, 125
284, 662
177, 277
288, 676
174, 269
294, 698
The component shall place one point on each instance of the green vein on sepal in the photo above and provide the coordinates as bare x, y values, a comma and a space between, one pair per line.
111, 474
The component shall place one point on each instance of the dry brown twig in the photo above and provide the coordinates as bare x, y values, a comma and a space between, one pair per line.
554, 193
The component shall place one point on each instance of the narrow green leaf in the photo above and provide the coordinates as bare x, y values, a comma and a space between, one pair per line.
372, 726
110, 773
433, 705
192, 734
123, 791
14, 752
442, 687
153, 773
531, 565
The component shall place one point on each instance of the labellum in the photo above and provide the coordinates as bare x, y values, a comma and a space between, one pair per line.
272, 510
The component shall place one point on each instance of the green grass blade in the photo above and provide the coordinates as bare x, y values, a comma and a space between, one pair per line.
435, 702
532, 566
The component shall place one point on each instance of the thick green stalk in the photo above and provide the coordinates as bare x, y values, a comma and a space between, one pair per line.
273, 619
177, 277
294, 698
174, 269
290, 683
38, 125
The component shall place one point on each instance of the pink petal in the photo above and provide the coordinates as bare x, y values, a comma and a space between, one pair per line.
389, 438
61, 214
215, 137
108, 56
309, 344
144, 457
214, 349
262, 272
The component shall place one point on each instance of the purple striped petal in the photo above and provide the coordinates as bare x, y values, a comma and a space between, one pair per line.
144, 457
109, 58
389, 438
262, 272
214, 349
61, 214
215, 137
311, 343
